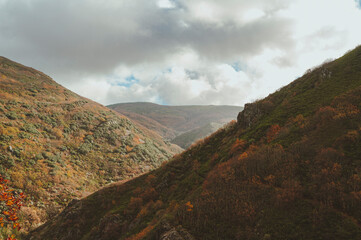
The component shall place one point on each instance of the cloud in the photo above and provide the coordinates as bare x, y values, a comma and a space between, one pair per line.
95, 37
176, 51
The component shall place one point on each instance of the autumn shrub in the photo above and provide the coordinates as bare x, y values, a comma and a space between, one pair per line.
238, 145
10, 204
273, 132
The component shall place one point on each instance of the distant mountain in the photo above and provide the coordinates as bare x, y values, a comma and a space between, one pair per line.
289, 168
173, 121
56, 145
186, 139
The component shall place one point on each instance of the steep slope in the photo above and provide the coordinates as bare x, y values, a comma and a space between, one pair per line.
56, 145
172, 121
288, 169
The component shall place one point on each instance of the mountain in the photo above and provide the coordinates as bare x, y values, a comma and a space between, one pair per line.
186, 139
289, 168
56, 145
173, 121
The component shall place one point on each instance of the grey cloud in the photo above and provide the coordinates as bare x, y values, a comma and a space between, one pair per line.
230, 41
86, 45
285, 61
330, 33
88, 36
192, 74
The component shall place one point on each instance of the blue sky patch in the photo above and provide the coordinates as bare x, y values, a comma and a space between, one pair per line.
237, 66
358, 3
127, 82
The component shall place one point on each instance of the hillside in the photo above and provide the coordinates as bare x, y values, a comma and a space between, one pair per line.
56, 145
172, 121
186, 139
289, 168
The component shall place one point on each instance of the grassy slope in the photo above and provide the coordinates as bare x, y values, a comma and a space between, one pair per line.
295, 173
56, 145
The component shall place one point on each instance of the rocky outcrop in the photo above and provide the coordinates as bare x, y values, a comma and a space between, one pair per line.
252, 112
168, 232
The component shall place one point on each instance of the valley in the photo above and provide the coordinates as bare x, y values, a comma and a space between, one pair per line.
181, 125
288, 168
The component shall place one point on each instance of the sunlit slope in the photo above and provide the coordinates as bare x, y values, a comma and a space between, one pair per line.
56, 145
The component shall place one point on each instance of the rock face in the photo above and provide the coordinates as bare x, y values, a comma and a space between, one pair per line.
252, 112
249, 115
175, 233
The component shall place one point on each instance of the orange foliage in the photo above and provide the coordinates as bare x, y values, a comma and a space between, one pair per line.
136, 140
10, 131
223, 173
128, 148
142, 234
346, 111
189, 206
12, 237
270, 179
144, 210
12, 203
272, 132
243, 156
173, 206
58, 133
238, 145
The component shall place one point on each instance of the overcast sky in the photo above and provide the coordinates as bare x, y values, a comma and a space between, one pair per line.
177, 52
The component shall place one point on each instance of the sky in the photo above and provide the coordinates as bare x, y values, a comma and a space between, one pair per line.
177, 52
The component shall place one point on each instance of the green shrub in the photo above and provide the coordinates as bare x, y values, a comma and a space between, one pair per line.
12, 115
